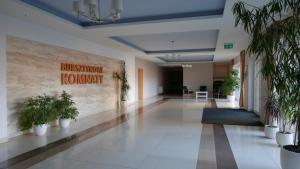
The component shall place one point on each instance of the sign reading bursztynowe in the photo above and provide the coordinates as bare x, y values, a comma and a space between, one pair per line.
77, 74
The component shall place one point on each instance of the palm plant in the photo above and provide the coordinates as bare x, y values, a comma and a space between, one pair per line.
274, 29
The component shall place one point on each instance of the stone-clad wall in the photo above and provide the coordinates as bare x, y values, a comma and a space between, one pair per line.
33, 68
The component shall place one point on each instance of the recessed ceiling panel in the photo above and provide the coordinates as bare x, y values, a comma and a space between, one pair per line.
186, 59
142, 8
185, 41
137, 10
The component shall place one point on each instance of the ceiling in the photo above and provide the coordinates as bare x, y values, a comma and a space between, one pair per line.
135, 10
154, 43
186, 59
198, 34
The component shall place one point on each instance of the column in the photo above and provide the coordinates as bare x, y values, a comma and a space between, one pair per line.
3, 103
251, 70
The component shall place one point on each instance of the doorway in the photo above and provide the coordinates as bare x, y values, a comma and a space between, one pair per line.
173, 80
140, 84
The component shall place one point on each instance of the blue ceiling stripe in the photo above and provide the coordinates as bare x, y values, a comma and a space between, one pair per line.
182, 51
163, 59
43, 6
200, 60
160, 17
120, 40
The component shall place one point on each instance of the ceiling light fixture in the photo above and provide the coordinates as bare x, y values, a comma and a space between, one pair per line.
90, 10
172, 54
187, 65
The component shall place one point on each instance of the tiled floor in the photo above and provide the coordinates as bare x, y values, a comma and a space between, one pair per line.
168, 136
24, 143
251, 149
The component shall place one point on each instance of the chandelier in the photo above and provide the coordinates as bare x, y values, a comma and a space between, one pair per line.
173, 54
90, 10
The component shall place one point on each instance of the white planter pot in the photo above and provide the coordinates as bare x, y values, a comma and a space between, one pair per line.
270, 131
283, 139
64, 123
40, 130
231, 98
289, 159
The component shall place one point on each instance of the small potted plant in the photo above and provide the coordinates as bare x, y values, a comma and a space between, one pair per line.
290, 154
36, 113
231, 84
271, 117
285, 136
66, 110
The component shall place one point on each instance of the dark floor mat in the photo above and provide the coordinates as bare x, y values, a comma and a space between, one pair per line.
230, 117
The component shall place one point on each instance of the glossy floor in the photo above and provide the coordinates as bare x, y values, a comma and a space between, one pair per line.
168, 136
28, 142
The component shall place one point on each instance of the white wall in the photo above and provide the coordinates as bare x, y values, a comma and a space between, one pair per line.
260, 91
130, 68
3, 104
257, 87
200, 74
16, 27
152, 78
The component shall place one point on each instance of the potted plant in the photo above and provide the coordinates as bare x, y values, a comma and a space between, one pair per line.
271, 117
290, 154
66, 110
231, 84
274, 30
290, 151
285, 136
124, 85
36, 112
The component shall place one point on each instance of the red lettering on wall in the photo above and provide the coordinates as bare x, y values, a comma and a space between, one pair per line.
79, 74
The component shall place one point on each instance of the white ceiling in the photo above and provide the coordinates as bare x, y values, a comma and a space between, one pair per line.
182, 40
101, 34
186, 58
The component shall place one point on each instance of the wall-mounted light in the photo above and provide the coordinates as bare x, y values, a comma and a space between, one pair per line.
187, 65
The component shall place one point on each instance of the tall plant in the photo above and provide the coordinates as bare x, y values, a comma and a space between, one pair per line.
274, 29
122, 77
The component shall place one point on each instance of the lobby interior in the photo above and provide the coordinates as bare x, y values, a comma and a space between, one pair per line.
154, 84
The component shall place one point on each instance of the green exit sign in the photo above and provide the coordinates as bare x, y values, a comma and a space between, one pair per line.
228, 45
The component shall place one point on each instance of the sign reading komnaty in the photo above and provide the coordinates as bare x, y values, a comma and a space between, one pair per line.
77, 74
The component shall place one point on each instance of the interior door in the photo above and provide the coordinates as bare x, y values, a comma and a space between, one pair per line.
140, 84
